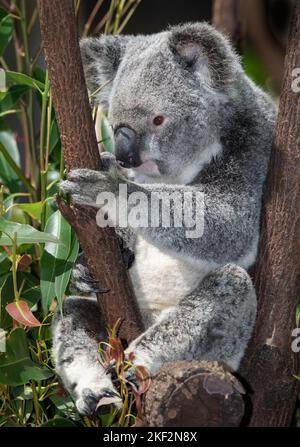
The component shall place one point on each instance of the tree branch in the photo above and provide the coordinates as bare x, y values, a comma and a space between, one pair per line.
227, 19
270, 363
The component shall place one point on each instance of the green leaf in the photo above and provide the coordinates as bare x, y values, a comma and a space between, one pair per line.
6, 29
34, 210
54, 258
64, 404
4, 263
59, 422
107, 136
17, 215
6, 296
14, 77
30, 292
54, 136
32, 296
39, 74
12, 97
25, 234
16, 366
7, 174
62, 279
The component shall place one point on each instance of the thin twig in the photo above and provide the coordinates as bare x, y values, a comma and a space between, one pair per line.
91, 18
128, 17
101, 24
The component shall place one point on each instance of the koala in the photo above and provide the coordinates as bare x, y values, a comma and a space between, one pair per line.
186, 119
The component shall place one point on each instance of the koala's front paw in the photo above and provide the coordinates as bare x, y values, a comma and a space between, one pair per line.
84, 185
92, 401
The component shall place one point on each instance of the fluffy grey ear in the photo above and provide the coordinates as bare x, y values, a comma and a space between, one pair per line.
200, 48
101, 57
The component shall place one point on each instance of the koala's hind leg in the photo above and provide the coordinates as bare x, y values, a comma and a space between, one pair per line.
76, 339
214, 322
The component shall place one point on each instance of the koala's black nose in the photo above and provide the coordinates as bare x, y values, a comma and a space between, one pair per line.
126, 147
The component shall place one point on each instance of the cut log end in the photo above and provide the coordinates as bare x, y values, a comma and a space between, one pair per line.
194, 394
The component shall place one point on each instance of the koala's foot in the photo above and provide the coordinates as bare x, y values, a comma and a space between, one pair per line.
97, 397
213, 323
76, 339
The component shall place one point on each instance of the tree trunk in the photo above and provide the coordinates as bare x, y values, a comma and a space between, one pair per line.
73, 111
228, 19
270, 363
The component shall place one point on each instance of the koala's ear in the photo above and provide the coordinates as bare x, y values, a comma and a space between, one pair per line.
200, 47
187, 47
101, 57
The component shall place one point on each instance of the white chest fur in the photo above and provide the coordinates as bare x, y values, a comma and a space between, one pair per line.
160, 280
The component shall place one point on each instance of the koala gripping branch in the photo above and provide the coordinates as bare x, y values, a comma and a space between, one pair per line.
60, 42
177, 389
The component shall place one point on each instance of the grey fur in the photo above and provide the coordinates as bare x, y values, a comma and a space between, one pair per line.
216, 139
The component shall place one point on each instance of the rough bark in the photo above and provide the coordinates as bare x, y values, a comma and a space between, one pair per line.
228, 19
195, 394
73, 111
270, 363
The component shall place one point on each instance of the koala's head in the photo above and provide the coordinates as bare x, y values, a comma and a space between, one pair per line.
166, 95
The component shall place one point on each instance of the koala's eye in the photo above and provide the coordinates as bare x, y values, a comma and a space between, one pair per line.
158, 120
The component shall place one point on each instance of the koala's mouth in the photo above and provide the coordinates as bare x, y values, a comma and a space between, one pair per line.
148, 167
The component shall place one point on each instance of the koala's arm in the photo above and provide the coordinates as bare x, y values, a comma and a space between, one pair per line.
226, 221
226, 227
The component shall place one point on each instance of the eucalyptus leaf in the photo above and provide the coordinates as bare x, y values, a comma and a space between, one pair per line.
34, 210
54, 261
16, 366
12, 97
30, 292
7, 174
54, 136
14, 77
107, 136
59, 422
6, 29
64, 404
6, 296
63, 278
32, 295
25, 234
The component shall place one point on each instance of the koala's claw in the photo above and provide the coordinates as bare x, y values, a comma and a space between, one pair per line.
91, 403
83, 282
108, 161
93, 285
129, 374
84, 185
